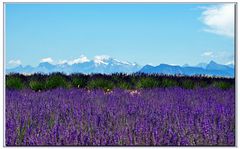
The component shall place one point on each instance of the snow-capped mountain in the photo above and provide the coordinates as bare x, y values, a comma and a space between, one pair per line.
108, 65
100, 64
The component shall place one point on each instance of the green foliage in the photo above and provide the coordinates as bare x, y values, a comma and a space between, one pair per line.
79, 82
55, 81
124, 85
37, 85
188, 84
147, 83
21, 131
222, 85
202, 84
169, 83
51, 121
14, 83
107, 82
100, 84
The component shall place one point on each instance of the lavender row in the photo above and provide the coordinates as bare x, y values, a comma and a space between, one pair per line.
159, 116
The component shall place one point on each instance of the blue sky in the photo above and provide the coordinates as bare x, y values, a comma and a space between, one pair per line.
142, 33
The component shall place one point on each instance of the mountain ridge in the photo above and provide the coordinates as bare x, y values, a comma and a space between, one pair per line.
105, 65
109, 65
211, 69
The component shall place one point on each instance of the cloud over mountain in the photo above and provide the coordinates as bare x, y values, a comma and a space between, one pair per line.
48, 59
14, 62
224, 56
208, 54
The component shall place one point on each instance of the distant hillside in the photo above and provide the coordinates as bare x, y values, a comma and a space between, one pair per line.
212, 69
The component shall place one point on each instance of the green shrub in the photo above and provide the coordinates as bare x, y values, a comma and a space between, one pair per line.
124, 85
147, 83
168, 83
79, 82
100, 84
188, 84
37, 85
222, 85
202, 84
56, 81
14, 83
98, 81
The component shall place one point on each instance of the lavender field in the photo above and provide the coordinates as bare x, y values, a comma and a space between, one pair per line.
158, 116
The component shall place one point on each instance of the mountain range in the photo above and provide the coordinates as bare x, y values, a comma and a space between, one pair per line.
210, 69
104, 65
111, 65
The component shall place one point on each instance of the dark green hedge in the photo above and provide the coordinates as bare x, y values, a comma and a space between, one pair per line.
107, 82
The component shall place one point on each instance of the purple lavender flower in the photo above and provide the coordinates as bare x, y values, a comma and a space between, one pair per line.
172, 116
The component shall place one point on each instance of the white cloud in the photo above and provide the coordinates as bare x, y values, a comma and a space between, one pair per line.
14, 62
48, 59
62, 62
151, 64
219, 19
230, 62
81, 59
221, 56
208, 54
